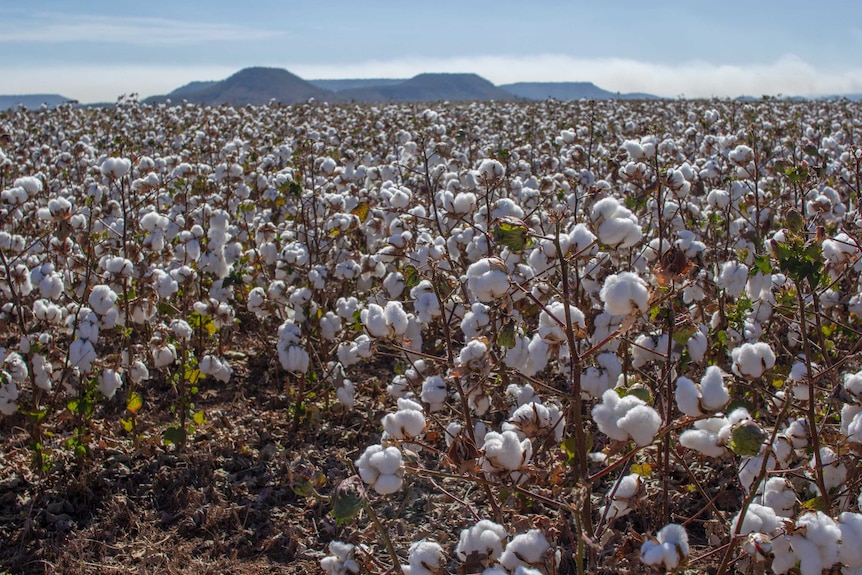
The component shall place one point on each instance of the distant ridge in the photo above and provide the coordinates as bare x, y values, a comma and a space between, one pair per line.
429, 88
569, 91
349, 84
249, 86
33, 101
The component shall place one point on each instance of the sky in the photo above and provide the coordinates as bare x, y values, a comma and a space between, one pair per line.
97, 50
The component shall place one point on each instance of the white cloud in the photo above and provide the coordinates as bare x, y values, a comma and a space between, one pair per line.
788, 75
106, 83
58, 28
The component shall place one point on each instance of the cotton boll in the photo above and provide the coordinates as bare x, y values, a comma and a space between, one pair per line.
381, 468
733, 278
115, 167
626, 417
714, 393
705, 437
697, 346
688, 398
525, 549
817, 549
625, 293
219, 369
779, 495
641, 423
488, 279
751, 360
8, 395
425, 557
852, 383
620, 495
82, 354
109, 382
849, 549
341, 559
536, 420
758, 519
505, 453
434, 392
138, 372
374, 321
484, 541
834, 470
552, 320
669, 549
406, 423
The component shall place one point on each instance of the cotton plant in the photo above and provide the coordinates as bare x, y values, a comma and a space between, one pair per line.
751, 360
506, 455
624, 294
537, 420
529, 549
408, 422
341, 559
482, 543
424, 558
622, 496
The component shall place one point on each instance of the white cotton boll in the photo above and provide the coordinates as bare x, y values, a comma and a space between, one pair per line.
688, 397
488, 279
732, 278
381, 468
484, 540
425, 557
834, 470
294, 359
751, 360
697, 346
852, 383
82, 354
552, 320
8, 394
849, 549
393, 283
464, 203
620, 494
434, 392
397, 320
115, 167
625, 293
714, 393
473, 355
505, 452
374, 321
138, 372
474, 320
758, 519
164, 354
705, 437
330, 325
817, 549
854, 425
536, 419
649, 348
345, 394
215, 367
669, 549
641, 423
102, 299
404, 423
778, 494
749, 470
525, 549
109, 382
341, 559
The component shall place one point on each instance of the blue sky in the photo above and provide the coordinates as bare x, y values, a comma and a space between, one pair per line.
96, 50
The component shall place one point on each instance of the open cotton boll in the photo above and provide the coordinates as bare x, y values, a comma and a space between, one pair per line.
814, 543
381, 468
849, 549
341, 559
834, 470
484, 541
216, 367
779, 495
406, 423
620, 495
8, 394
688, 397
713, 391
669, 548
535, 420
525, 549
425, 557
616, 225
552, 320
732, 278
488, 279
628, 417
751, 360
109, 382
434, 392
505, 453
115, 167
758, 519
649, 348
625, 293
852, 383
705, 437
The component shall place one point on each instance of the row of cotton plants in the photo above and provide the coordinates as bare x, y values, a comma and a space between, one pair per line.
597, 306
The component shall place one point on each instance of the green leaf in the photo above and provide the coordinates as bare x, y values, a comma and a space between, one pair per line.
570, 447
127, 425
815, 504
762, 264
642, 469
506, 336
411, 276
512, 233
175, 435
199, 418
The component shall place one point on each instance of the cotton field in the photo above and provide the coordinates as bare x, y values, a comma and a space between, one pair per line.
603, 336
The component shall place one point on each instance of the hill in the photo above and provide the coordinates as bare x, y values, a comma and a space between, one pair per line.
33, 101
429, 88
249, 86
568, 91
349, 84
